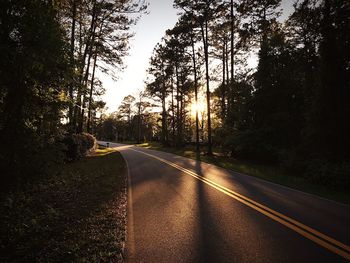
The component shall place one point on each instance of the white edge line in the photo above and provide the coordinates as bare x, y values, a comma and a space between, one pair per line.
129, 229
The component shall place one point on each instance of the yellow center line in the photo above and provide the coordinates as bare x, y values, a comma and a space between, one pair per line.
321, 239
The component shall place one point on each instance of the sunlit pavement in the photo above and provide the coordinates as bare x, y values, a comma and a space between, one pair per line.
182, 210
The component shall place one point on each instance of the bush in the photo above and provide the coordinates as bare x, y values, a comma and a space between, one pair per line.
250, 144
88, 141
323, 172
78, 145
28, 157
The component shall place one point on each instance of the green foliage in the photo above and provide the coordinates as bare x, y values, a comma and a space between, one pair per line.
334, 175
33, 67
47, 84
101, 42
254, 144
296, 114
107, 130
29, 158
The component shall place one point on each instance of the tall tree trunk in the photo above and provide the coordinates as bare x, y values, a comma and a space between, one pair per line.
232, 81
139, 122
232, 43
164, 117
177, 104
204, 30
91, 93
223, 85
72, 43
80, 36
181, 117
173, 111
84, 89
78, 106
227, 66
195, 91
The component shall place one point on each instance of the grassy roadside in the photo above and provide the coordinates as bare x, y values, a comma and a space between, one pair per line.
76, 214
269, 173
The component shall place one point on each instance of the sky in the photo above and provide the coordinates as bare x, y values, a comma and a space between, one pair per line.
148, 32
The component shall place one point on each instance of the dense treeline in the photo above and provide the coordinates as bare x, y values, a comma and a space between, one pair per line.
50, 53
292, 110
132, 122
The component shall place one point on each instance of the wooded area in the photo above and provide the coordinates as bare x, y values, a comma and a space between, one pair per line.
50, 52
292, 110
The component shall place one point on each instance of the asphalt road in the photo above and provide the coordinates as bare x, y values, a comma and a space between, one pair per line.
182, 210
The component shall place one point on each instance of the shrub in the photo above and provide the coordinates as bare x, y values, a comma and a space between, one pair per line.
251, 144
323, 172
29, 157
89, 141
78, 145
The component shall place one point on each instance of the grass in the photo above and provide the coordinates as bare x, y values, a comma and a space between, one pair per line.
75, 215
270, 173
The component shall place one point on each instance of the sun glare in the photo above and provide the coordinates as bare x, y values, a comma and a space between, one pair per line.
200, 106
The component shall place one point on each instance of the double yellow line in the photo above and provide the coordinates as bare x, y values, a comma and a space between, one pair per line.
321, 239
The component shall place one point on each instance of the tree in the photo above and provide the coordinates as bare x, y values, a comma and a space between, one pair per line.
141, 106
332, 97
160, 72
186, 28
203, 12
126, 109
33, 70
100, 43
50, 52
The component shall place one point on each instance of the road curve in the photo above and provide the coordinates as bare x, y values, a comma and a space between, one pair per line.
182, 210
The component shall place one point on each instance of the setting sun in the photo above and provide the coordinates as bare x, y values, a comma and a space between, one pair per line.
200, 106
